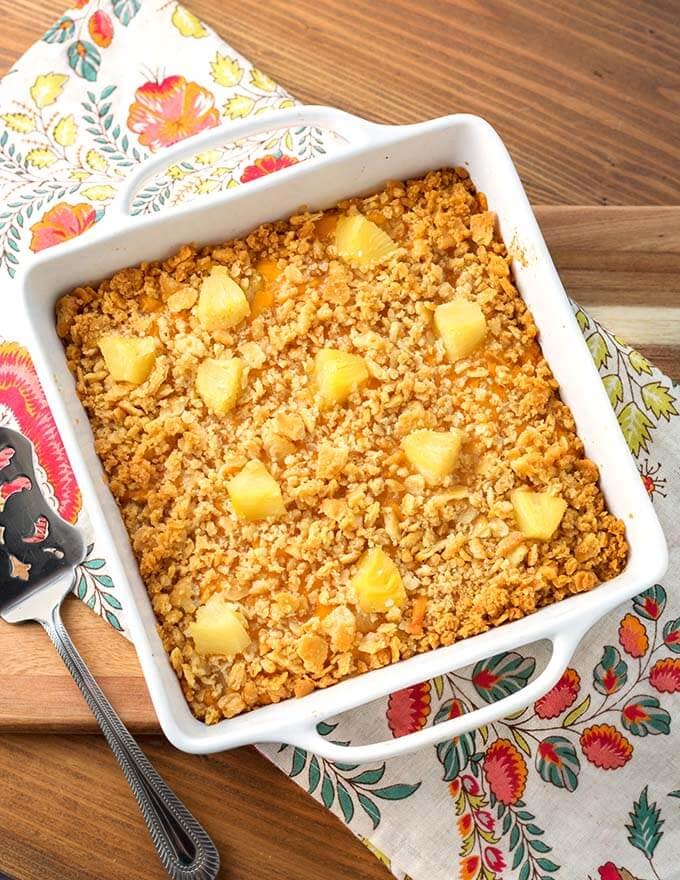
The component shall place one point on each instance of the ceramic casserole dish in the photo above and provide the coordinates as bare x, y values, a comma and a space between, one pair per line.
369, 155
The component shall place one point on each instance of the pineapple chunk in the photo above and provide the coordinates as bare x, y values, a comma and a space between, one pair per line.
433, 454
462, 326
219, 384
218, 629
221, 303
361, 242
338, 374
128, 360
377, 583
538, 513
255, 494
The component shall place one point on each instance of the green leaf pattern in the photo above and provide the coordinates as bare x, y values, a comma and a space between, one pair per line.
611, 673
644, 831
84, 58
454, 755
645, 715
527, 852
598, 349
60, 31
125, 10
346, 787
502, 675
640, 404
558, 763
97, 590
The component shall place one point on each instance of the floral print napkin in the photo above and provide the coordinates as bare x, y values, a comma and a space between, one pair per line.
115, 80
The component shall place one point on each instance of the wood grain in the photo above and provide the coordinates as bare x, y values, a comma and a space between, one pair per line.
66, 813
588, 124
586, 95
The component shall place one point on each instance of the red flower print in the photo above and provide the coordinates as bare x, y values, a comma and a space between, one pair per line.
494, 859
408, 709
560, 697
652, 608
505, 771
605, 747
654, 483
485, 679
609, 872
266, 165
469, 867
470, 784
634, 713
454, 787
78, 4
101, 29
665, 675
60, 223
485, 820
166, 112
633, 636
22, 398
465, 824
671, 635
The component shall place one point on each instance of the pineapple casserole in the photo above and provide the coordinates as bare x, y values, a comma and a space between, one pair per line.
335, 443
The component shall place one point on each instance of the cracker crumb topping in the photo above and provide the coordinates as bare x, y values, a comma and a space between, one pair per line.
328, 442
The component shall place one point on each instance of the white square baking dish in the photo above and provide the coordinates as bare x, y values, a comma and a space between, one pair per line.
371, 155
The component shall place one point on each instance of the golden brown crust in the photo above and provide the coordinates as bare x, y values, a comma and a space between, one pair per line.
345, 480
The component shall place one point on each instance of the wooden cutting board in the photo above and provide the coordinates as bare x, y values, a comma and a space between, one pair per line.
622, 264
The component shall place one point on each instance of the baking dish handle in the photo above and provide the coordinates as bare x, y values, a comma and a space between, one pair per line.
563, 646
353, 129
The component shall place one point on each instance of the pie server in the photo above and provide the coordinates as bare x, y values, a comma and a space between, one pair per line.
39, 553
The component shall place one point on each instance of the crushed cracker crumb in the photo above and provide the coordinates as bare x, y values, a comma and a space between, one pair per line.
345, 481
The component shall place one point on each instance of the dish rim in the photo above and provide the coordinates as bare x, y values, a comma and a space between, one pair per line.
562, 623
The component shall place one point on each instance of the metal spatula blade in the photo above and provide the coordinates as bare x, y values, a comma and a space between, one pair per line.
39, 553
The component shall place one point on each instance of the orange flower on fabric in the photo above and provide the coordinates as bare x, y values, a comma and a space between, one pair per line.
633, 636
166, 112
665, 675
465, 824
101, 29
469, 867
267, 165
604, 746
60, 223
505, 771
454, 787
560, 697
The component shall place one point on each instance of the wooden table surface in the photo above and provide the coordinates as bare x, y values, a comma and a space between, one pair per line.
588, 123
